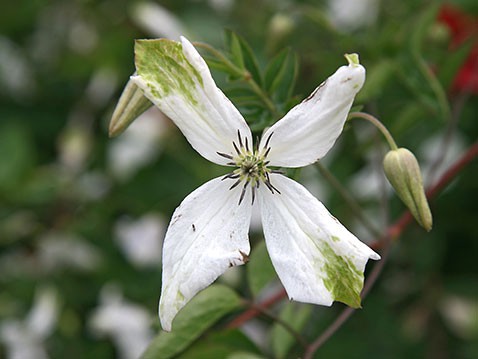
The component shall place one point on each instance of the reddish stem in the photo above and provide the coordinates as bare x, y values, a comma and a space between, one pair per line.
393, 231
253, 312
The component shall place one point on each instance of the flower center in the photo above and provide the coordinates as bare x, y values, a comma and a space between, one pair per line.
251, 167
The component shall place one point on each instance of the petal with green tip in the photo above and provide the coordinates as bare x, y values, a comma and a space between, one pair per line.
317, 259
310, 129
176, 79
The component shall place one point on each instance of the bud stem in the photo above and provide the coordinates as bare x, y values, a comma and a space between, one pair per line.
376, 123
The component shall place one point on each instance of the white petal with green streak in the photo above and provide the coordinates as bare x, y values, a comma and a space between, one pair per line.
317, 259
176, 79
208, 233
310, 129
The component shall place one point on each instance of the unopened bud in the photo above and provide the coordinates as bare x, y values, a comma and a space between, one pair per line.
281, 25
131, 104
403, 172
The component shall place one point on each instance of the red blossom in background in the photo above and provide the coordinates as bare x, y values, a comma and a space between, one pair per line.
463, 27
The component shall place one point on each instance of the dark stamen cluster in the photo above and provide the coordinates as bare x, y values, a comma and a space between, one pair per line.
251, 166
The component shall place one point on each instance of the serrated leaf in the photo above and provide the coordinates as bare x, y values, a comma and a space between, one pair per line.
296, 315
250, 61
285, 86
233, 46
260, 271
197, 316
275, 70
242, 56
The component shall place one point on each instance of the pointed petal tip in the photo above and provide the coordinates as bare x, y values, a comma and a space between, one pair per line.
184, 39
375, 256
166, 326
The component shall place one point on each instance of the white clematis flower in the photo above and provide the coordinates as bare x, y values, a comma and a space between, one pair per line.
317, 259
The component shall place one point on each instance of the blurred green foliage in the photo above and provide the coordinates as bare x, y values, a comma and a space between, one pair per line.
62, 68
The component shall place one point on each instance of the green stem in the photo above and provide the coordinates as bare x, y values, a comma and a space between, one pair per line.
416, 49
246, 76
376, 123
351, 202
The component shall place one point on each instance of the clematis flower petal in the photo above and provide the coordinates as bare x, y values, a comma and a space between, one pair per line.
317, 259
309, 130
208, 233
176, 79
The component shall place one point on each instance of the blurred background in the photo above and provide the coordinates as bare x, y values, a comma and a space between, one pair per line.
82, 216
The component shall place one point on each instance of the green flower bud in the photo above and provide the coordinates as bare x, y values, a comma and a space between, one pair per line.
131, 104
403, 172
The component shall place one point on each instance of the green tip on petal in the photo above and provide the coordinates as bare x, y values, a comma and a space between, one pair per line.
353, 59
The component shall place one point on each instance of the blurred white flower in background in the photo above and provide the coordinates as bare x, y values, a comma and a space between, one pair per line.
350, 15
24, 339
101, 87
221, 6
139, 145
156, 20
461, 315
433, 157
438, 155
366, 184
54, 251
63, 250
127, 324
141, 240
83, 37
16, 77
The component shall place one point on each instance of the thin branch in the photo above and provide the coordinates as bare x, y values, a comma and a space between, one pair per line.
277, 319
254, 312
392, 233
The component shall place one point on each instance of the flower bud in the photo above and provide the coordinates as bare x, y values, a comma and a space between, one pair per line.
403, 172
131, 104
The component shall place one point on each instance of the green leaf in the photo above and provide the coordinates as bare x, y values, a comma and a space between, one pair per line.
283, 86
233, 46
259, 269
218, 65
17, 154
220, 345
242, 56
244, 355
250, 61
275, 70
296, 315
197, 316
